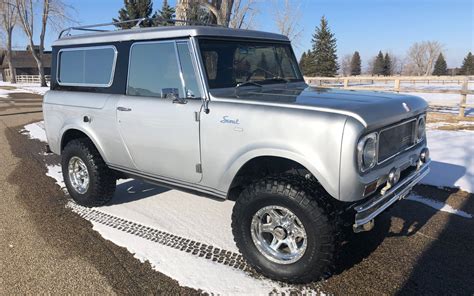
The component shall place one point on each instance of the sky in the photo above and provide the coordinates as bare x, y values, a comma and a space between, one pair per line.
363, 25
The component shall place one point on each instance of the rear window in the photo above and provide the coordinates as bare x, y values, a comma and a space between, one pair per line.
91, 66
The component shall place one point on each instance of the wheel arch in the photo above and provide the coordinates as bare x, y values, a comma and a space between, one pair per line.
73, 133
272, 162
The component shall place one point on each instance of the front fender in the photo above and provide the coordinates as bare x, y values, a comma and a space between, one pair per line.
316, 166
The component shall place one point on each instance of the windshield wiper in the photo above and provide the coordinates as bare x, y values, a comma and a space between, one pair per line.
247, 83
277, 79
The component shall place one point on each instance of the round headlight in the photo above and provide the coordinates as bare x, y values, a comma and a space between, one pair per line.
367, 152
420, 132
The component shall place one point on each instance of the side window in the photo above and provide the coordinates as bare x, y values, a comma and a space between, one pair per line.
87, 66
187, 67
154, 70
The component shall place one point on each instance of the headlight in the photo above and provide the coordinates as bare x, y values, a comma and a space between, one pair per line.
420, 130
367, 152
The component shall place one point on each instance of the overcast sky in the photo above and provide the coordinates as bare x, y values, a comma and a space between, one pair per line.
364, 25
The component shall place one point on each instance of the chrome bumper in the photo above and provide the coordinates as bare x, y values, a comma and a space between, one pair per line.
367, 211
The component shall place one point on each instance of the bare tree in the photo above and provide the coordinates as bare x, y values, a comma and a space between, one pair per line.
287, 19
422, 56
243, 14
52, 12
346, 65
8, 21
220, 9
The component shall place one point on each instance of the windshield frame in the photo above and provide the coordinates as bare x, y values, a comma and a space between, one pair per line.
293, 60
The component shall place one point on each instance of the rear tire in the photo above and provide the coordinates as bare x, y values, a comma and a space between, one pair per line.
309, 210
88, 180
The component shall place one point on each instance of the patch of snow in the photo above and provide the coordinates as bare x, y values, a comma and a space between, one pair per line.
35, 131
22, 87
438, 205
452, 159
55, 172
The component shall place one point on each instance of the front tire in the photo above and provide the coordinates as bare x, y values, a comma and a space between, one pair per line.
88, 180
286, 229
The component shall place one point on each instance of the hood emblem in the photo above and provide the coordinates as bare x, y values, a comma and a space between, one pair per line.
406, 107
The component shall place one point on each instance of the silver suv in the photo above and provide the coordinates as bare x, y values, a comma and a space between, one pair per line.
226, 114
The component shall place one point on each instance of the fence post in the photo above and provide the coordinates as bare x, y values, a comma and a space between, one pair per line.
397, 85
346, 82
462, 105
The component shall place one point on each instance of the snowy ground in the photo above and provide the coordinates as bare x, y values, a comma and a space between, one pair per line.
22, 87
156, 227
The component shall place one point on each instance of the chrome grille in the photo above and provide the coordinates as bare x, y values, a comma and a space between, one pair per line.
395, 139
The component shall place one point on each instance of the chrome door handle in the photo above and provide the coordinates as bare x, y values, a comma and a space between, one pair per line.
124, 109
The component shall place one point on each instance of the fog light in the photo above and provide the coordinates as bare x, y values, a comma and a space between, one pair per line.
394, 176
425, 155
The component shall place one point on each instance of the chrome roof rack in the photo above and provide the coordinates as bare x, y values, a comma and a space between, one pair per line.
93, 28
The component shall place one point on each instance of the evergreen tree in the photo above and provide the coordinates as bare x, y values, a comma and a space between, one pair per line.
324, 50
134, 9
379, 65
302, 63
356, 64
165, 13
387, 65
310, 64
467, 67
440, 67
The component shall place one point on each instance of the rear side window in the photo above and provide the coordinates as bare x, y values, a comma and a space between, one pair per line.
90, 66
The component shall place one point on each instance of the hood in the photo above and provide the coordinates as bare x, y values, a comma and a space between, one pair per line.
373, 109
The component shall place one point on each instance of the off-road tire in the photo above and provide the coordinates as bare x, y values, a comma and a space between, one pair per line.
311, 204
102, 180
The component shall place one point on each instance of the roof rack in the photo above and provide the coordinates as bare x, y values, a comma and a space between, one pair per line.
138, 22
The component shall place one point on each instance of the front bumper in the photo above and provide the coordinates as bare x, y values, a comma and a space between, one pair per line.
366, 212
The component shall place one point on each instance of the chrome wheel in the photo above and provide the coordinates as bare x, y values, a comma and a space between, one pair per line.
78, 174
278, 234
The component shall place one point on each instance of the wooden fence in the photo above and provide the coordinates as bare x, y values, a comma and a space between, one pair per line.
394, 83
31, 78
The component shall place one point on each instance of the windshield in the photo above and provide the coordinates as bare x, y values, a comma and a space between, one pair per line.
229, 63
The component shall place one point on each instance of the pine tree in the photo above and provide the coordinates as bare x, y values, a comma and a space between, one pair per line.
467, 67
324, 50
440, 67
356, 64
310, 64
387, 65
302, 63
165, 13
134, 9
379, 65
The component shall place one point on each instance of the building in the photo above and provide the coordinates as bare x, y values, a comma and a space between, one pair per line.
23, 63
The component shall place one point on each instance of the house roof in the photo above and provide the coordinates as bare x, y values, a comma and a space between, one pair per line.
165, 32
24, 59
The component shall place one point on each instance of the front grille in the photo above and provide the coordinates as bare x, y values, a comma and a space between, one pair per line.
395, 139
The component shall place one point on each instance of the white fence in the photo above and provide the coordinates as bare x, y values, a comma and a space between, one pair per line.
31, 78
394, 83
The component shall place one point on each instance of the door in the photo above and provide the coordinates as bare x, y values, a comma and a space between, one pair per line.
157, 117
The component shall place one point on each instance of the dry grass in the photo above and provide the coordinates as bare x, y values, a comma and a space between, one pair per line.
446, 121
5, 87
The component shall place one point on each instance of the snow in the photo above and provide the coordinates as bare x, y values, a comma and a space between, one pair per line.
209, 221
452, 159
22, 87
438, 205
189, 270
35, 131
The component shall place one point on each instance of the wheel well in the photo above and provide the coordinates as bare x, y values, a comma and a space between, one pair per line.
70, 135
260, 167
